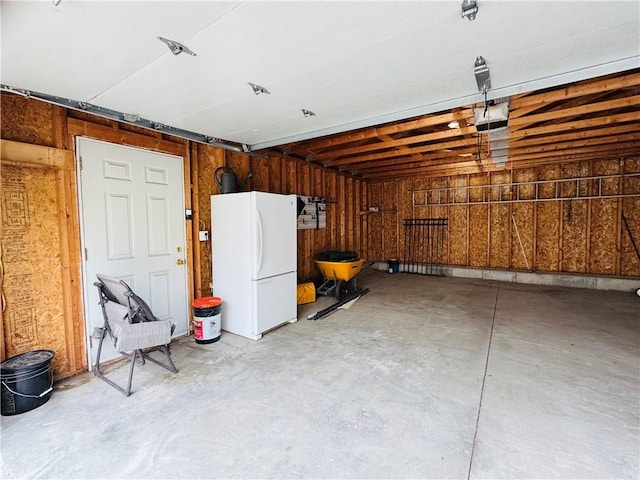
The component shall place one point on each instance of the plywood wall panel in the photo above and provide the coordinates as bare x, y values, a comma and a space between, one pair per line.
260, 175
305, 239
523, 221
478, 223
358, 218
405, 211
208, 160
342, 212
457, 235
629, 258
547, 237
375, 244
605, 221
553, 235
349, 217
500, 221
27, 121
603, 255
332, 210
33, 287
364, 221
500, 236
275, 175
574, 214
547, 252
390, 219
241, 165
574, 236
478, 240
523, 235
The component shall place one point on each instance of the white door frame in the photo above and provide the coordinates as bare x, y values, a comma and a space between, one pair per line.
86, 283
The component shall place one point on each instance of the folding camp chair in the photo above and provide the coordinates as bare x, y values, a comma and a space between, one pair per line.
133, 327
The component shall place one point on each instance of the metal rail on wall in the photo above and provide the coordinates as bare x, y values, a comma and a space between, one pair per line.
579, 188
423, 245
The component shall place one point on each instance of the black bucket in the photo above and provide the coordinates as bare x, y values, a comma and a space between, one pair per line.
27, 381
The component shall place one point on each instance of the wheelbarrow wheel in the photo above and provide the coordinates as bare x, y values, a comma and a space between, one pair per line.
342, 289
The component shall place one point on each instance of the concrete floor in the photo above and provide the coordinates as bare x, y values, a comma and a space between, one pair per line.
422, 378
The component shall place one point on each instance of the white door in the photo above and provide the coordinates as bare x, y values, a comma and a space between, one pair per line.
133, 228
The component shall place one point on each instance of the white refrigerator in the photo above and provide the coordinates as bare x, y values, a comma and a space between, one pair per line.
254, 244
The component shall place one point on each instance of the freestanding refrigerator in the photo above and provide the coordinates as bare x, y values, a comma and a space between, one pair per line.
254, 243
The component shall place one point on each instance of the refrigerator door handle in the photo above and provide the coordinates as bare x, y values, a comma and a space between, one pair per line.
260, 242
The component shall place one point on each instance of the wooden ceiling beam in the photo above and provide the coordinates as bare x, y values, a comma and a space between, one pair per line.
522, 122
632, 138
402, 150
474, 168
621, 133
582, 134
574, 102
372, 132
577, 90
438, 160
392, 154
576, 125
427, 137
542, 153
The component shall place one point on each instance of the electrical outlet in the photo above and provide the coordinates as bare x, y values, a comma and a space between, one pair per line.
204, 235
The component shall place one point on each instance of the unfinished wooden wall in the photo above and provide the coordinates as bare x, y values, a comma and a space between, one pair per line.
345, 197
574, 236
53, 235
41, 280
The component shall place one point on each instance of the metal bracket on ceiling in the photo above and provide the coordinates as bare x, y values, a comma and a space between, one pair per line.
258, 89
176, 47
481, 71
469, 9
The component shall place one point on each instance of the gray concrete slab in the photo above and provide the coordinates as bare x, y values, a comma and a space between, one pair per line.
390, 388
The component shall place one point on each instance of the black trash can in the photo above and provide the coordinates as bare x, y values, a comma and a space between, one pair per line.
393, 265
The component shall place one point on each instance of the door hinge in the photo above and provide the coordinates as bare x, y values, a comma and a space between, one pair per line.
86, 255
80, 162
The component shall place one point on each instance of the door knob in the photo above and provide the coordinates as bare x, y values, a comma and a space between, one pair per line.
180, 261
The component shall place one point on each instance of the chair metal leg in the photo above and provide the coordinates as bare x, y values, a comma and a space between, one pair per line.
99, 374
169, 365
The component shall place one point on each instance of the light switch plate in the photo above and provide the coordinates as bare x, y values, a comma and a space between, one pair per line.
204, 235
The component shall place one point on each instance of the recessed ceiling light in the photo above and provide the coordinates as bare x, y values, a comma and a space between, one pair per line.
453, 124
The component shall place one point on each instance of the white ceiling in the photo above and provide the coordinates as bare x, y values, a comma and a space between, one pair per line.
354, 64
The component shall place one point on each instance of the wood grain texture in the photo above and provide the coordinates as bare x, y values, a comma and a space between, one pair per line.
500, 221
25, 120
478, 223
547, 250
574, 220
33, 270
